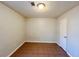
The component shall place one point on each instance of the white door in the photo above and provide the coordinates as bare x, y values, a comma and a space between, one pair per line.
63, 33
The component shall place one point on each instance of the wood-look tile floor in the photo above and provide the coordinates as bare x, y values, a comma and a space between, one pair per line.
40, 50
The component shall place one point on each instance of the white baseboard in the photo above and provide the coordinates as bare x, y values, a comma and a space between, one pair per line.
58, 44
42, 41
65, 50
69, 54
16, 49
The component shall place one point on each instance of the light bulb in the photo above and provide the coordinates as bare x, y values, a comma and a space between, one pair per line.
41, 5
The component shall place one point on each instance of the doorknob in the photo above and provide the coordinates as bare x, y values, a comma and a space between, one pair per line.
65, 36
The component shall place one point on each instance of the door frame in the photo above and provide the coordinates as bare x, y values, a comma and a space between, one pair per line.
66, 36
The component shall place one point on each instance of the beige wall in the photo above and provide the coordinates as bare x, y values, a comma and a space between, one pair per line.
73, 31
41, 30
11, 30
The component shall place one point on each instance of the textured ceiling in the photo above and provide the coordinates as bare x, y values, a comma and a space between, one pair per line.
53, 9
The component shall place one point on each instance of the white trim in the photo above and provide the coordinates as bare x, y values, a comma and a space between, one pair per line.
58, 44
42, 41
15, 49
65, 50
69, 54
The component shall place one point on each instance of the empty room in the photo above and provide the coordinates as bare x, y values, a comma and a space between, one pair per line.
39, 29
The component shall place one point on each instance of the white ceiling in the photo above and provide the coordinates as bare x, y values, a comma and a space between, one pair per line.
52, 9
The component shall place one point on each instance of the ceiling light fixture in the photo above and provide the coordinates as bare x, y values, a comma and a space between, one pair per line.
40, 5
32, 3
